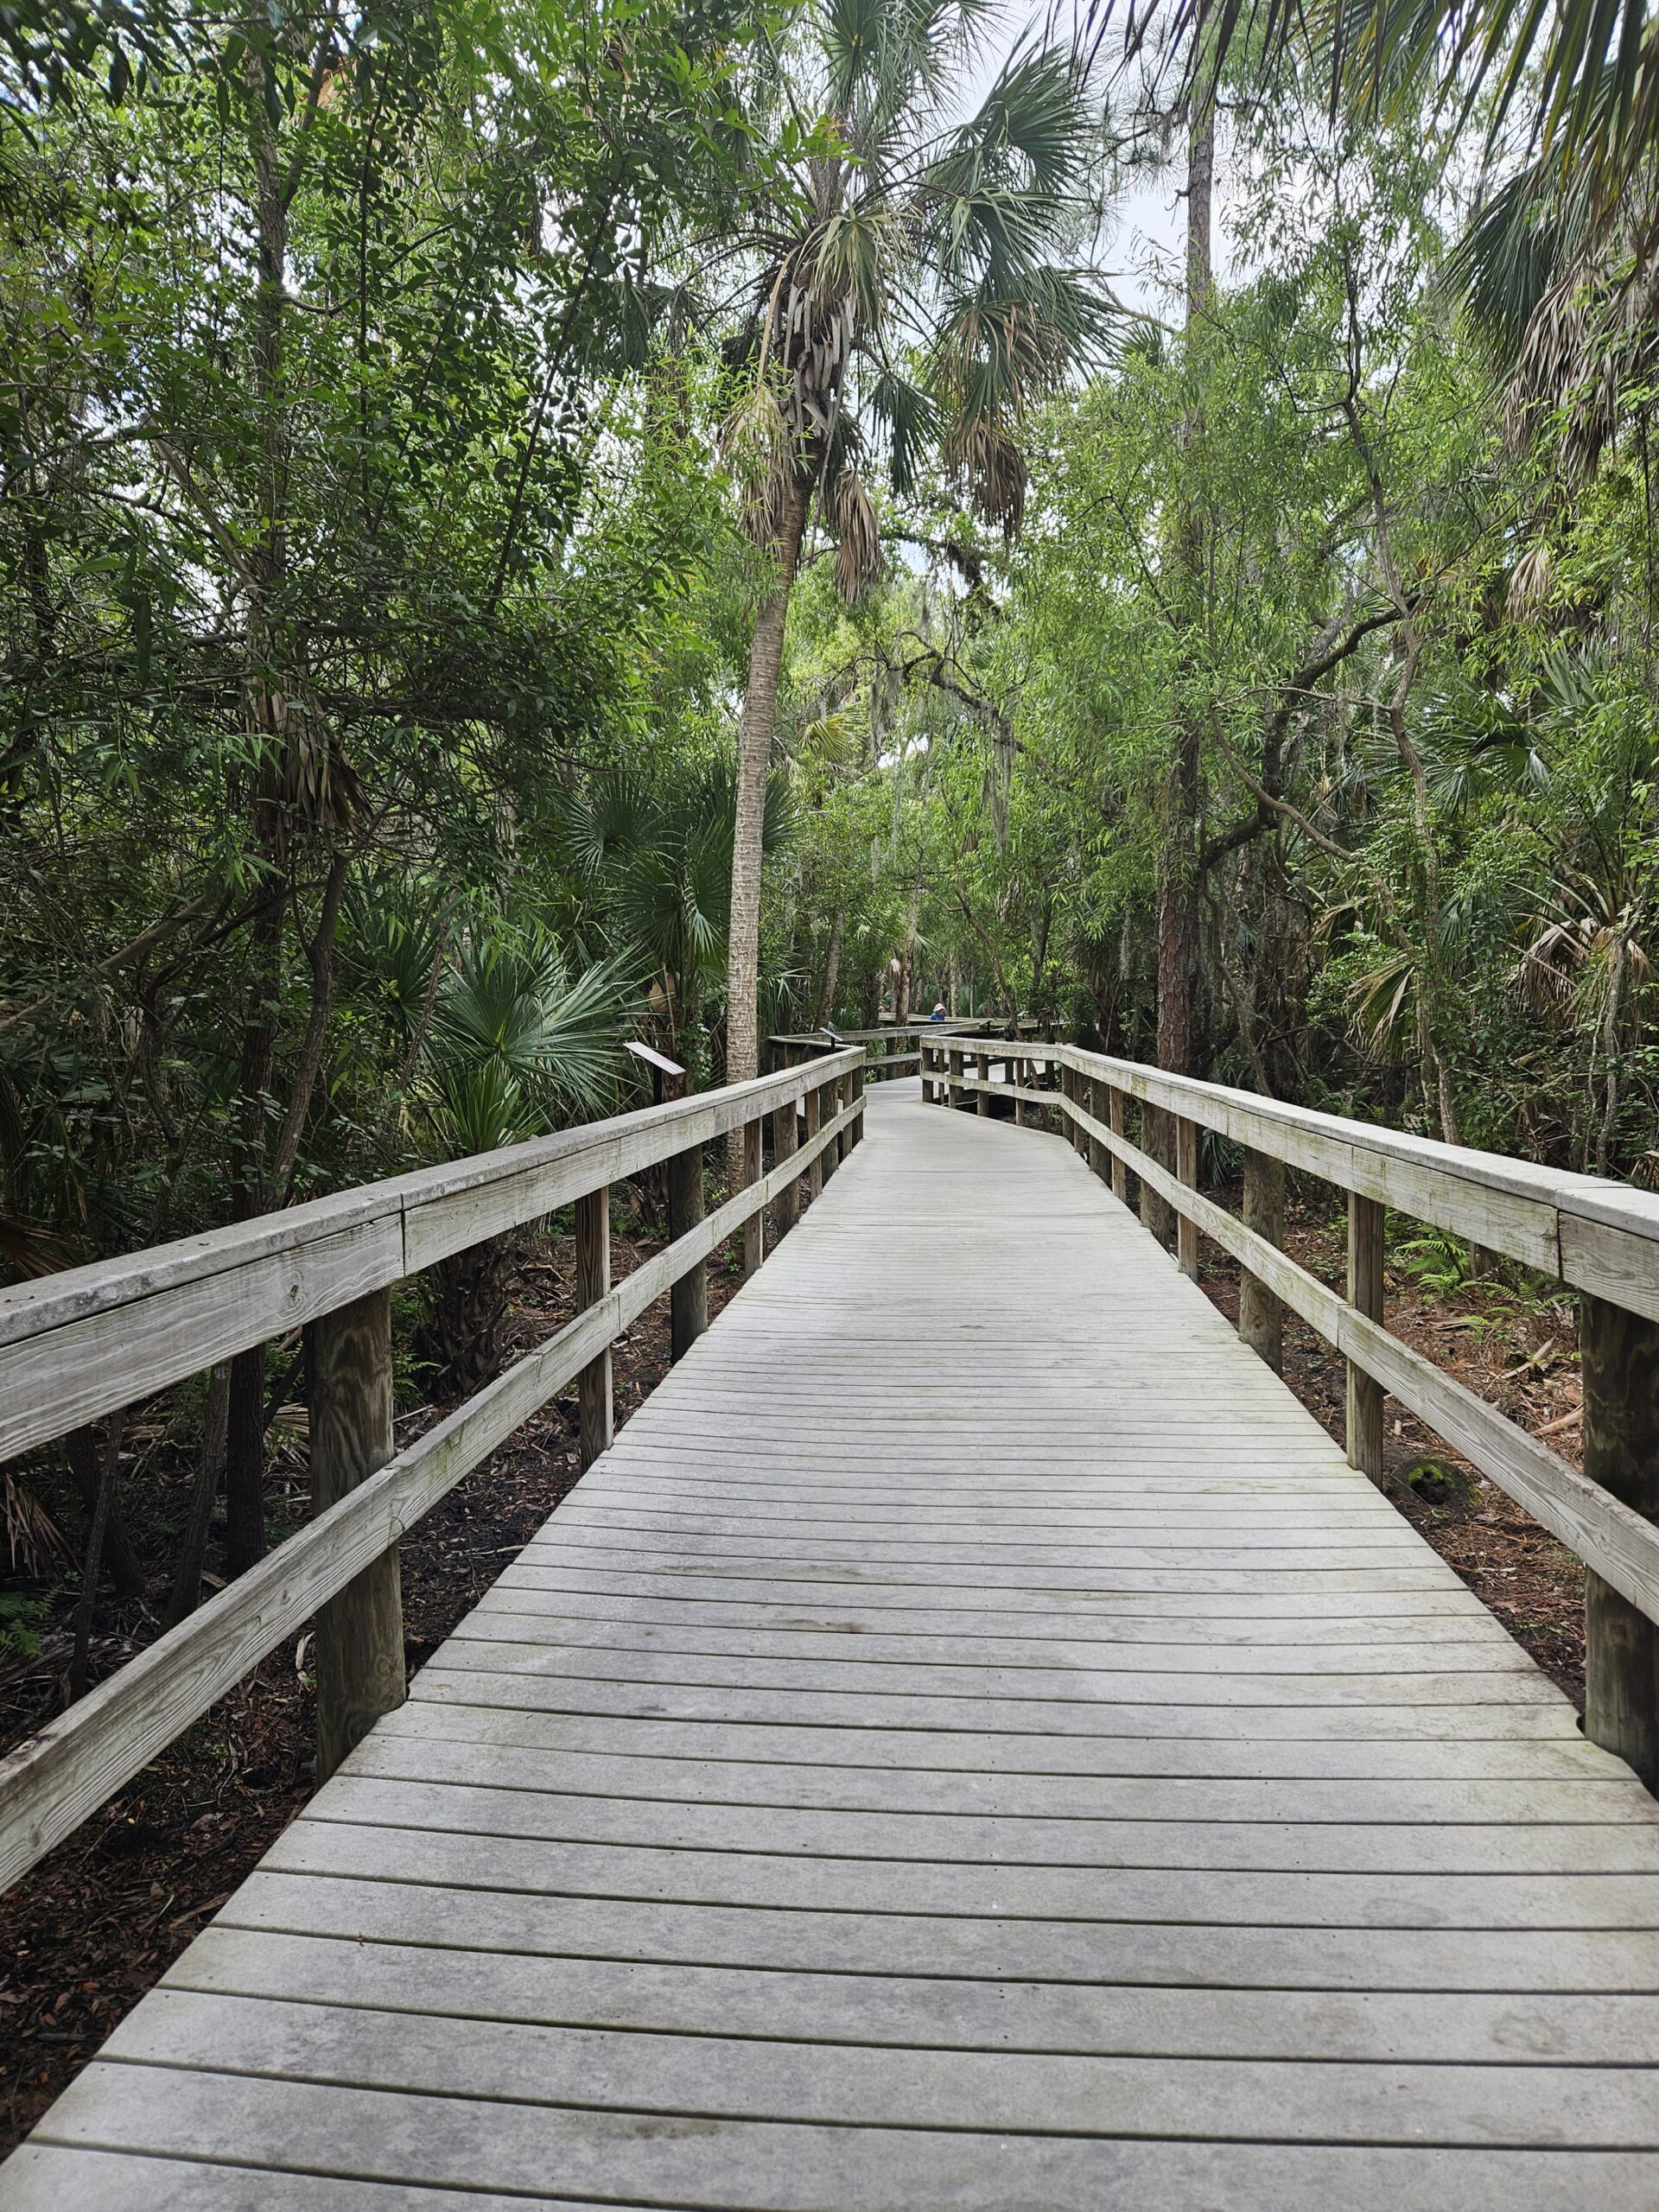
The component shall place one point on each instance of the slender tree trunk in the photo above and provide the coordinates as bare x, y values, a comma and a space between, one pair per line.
902, 989
1177, 856
753, 764
84, 1449
1177, 887
828, 988
193, 1545
86, 1603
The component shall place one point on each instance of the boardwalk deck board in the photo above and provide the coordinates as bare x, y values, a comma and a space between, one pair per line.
972, 1743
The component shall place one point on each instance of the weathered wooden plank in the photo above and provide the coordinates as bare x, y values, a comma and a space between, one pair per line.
999, 1950
841, 2085
1253, 1896
475, 2144
715, 1776
926, 2012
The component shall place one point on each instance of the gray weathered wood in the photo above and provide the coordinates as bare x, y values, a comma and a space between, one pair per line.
596, 1416
1366, 1272
359, 1632
49, 1782
1261, 1317
1186, 1170
972, 1741
1622, 1545
754, 1228
1621, 1452
84, 1342
688, 1304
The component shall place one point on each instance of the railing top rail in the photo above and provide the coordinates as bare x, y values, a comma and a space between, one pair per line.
79, 1344
1591, 1233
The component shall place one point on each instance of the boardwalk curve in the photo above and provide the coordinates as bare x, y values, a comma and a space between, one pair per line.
972, 1742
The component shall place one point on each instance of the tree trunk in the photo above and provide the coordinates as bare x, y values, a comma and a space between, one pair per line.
753, 763
1178, 886
84, 1449
193, 1545
827, 989
1177, 856
907, 959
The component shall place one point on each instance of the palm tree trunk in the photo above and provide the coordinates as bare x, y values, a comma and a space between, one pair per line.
754, 761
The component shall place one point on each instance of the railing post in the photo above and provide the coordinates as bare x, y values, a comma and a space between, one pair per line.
1261, 1316
687, 1301
953, 1055
359, 1633
1114, 1123
855, 1086
754, 1229
1186, 1170
923, 1068
815, 1173
786, 1205
594, 1429
982, 1103
1099, 1158
1017, 1071
830, 1098
1620, 1353
1152, 1208
1365, 1254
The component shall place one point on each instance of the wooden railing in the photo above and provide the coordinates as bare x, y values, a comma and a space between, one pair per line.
1597, 1238
889, 1052
84, 1343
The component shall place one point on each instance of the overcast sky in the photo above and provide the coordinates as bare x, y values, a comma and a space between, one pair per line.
1142, 245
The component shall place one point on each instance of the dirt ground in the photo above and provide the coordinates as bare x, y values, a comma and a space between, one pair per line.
99, 1922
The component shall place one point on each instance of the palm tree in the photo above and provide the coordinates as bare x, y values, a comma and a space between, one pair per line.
654, 857
1561, 265
913, 294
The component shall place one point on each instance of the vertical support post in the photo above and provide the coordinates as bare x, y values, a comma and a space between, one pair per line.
983, 1102
596, 1429
754, 1229
1019, 1070
953, 1088
1114, 1123
1621, 1452
1153, 1208
1186, 1170
689, 1299
1099, 1158
786, 1205
924, 1065
1261, 1316
855, 1087
360, 1636
815, 1173
830, 1099
1365, 1253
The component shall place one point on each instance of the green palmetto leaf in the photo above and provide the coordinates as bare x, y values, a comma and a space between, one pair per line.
511, 1005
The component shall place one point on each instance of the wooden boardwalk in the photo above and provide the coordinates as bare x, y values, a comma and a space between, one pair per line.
972, 1743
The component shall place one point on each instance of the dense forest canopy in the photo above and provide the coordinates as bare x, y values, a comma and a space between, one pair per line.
524, 526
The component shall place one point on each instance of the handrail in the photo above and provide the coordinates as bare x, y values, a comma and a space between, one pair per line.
157, 1316
1594, 1236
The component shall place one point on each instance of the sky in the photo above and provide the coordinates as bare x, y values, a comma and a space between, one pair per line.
1142, 245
